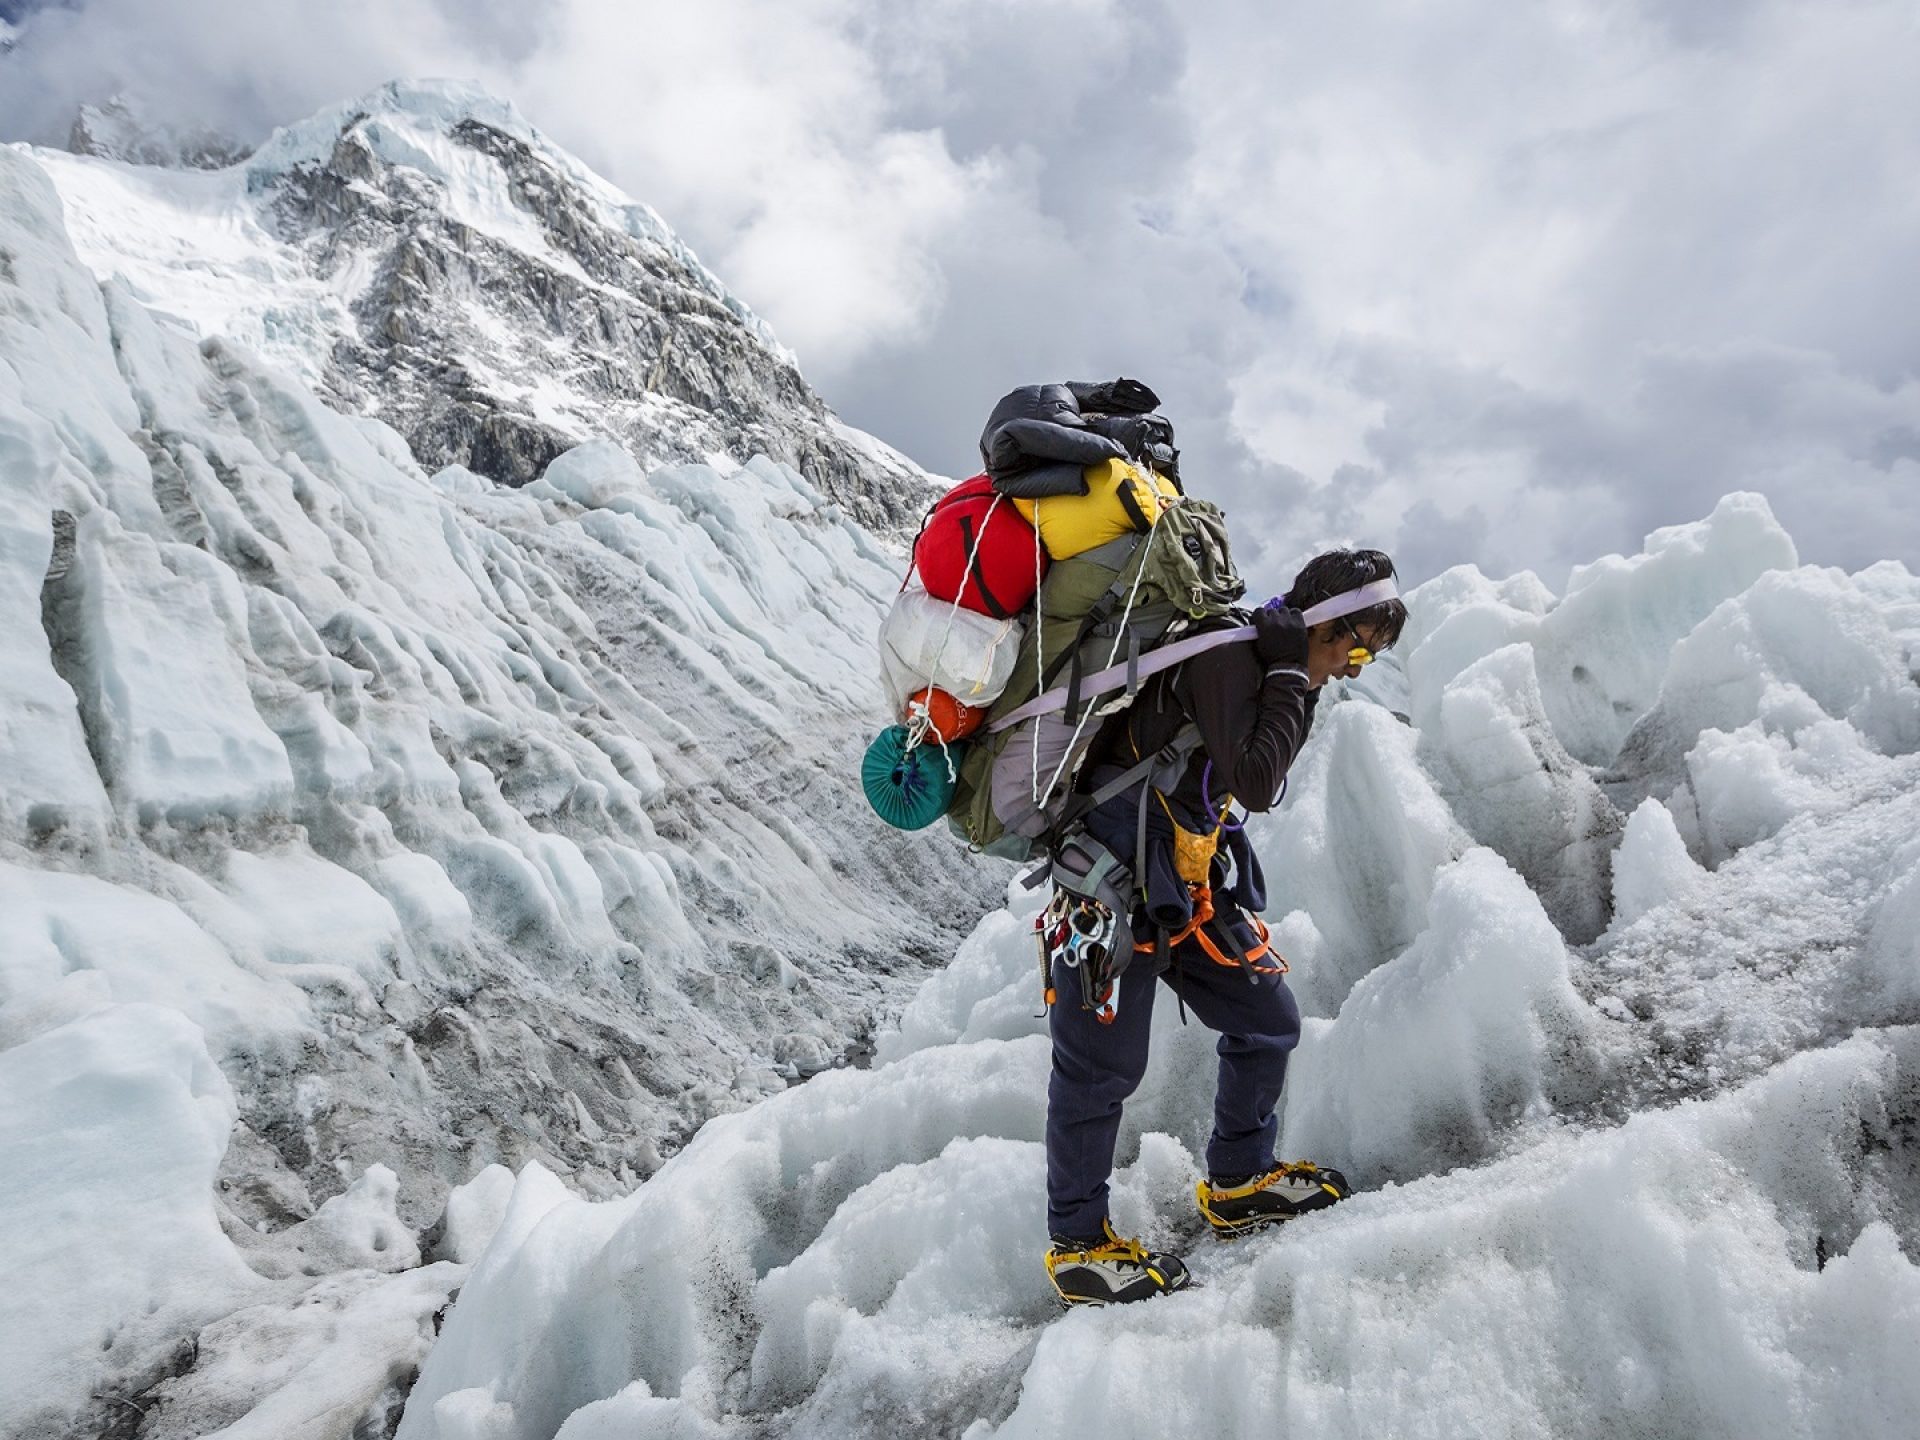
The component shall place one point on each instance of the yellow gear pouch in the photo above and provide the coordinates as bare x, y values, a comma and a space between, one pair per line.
1121, 499
1192, 853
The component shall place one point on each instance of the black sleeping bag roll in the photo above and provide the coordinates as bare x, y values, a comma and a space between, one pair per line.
1040, 438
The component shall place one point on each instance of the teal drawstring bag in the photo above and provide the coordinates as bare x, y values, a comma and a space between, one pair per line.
910, 786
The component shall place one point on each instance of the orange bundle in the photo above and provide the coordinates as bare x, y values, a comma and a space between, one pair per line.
946, 718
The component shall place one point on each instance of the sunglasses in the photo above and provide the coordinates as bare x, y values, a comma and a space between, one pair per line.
1359, 654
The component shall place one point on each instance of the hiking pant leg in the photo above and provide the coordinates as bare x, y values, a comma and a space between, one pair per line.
1259, 1024
1095, 1068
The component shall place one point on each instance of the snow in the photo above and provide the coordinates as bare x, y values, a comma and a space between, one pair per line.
80, 941
406, 122
188, 244
366, 830
1651, 867
1641, 1167
143, 617
345, 1352
194, 244
474, 1212
111, 1128
422, 894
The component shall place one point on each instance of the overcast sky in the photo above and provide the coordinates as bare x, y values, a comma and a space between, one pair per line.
1479, 281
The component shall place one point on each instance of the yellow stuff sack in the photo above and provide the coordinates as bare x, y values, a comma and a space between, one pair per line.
1121, 499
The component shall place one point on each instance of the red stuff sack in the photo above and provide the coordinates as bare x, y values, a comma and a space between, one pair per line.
974, 546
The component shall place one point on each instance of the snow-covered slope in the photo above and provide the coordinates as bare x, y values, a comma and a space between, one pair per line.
424, 255
1664, 1181
364, 826
372, 829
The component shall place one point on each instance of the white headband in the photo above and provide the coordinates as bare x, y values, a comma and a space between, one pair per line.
1374, 592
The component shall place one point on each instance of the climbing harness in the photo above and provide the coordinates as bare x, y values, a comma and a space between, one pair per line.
1256, 960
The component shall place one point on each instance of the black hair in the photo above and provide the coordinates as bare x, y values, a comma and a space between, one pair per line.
1338, 571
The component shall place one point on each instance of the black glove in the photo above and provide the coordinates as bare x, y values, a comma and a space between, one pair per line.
1279, 636
1114, 397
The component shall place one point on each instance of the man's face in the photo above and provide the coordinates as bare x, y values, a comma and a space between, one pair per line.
1330, 647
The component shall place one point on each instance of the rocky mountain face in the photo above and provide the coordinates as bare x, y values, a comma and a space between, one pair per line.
496, 303
499, 356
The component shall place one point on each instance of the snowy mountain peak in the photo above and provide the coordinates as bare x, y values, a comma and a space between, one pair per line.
439, 128
424, 255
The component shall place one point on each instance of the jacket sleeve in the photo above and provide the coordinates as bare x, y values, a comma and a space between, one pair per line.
1252, 722
1037, 441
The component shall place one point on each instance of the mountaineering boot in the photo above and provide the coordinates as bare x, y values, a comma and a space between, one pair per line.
1234, 1205
1111, 1271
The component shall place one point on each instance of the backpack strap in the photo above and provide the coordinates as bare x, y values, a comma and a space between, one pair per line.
1130, 672
1137, 669
1175, 751
994, 607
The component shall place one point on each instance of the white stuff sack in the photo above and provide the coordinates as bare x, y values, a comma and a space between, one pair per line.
925, 641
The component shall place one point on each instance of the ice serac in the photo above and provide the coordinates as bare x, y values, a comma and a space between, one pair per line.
1804, 672
112, 1127
1666, 1176
1501, 766
1471, 1030
425, 255
461, 825
1601, 651
1354, 850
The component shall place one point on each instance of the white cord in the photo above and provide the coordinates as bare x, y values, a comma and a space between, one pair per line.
919, 727
1112, 652
1039, 643
953, 610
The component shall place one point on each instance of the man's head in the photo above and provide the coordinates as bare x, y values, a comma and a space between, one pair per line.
1336, 646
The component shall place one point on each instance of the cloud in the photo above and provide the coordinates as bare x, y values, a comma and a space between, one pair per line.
1482, 282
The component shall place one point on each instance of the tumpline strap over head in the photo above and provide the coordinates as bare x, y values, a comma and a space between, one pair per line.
1350, 602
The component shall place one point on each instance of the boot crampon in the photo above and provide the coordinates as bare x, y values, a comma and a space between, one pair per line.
1235, 1205
1111, 1271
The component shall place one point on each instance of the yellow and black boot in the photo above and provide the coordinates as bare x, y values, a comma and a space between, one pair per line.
1111, 1271
1233, 1205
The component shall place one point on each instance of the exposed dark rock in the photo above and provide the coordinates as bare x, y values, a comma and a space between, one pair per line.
490, 354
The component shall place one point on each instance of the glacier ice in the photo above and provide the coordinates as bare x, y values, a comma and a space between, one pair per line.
1657, 1178
416, 888
461, 826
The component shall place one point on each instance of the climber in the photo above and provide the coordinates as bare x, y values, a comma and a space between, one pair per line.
1252, 703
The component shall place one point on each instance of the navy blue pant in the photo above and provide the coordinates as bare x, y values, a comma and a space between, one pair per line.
1096, 1067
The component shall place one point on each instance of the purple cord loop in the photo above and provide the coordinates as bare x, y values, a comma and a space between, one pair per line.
1206, 798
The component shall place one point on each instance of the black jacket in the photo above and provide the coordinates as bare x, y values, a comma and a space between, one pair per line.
1252, 722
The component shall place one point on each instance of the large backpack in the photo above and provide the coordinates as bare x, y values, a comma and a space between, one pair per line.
1099, 619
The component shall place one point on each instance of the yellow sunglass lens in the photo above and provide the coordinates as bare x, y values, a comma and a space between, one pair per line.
1359, 655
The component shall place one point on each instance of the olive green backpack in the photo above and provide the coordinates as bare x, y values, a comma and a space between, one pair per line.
1099, 611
